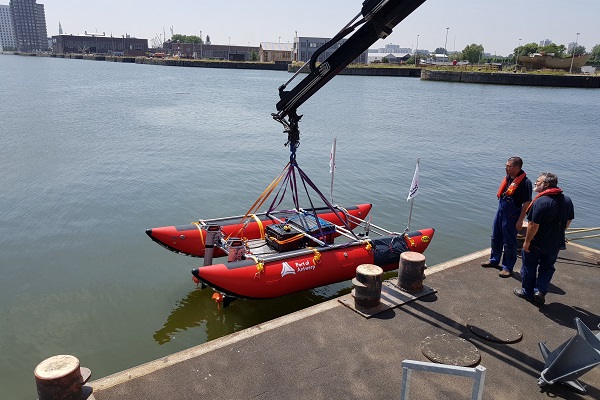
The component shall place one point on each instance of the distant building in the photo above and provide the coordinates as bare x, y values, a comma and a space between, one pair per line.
7, 31
209, 51
545, 42
305, 47
392, 58
275, 52
95, 43
29, 24
391, 48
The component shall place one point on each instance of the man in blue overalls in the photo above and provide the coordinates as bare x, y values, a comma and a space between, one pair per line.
514, 196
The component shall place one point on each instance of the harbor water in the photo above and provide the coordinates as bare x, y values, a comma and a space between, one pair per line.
94, 153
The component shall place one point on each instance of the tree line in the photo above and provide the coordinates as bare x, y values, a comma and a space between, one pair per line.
474, 53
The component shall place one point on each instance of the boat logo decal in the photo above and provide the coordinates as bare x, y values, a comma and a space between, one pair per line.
425, 238
287, 270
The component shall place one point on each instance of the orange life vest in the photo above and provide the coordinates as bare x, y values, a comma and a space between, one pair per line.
547, 192
503, 190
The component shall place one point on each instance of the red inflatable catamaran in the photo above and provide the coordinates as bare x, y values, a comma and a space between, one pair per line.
281, 252
261, 271
190, 239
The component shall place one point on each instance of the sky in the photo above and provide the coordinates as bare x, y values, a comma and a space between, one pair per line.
499, 26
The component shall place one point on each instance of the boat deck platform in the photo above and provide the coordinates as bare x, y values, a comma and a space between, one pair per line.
329, 351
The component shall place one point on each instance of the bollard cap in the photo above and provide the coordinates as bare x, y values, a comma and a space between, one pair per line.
369, 269
56, 367
412, 256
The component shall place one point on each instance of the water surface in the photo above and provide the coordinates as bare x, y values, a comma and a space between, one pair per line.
93, 153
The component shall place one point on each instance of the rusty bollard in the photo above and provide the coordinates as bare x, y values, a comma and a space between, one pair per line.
367, 285
61, 378
411, 272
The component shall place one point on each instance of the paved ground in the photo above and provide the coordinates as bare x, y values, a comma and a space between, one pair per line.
331, 352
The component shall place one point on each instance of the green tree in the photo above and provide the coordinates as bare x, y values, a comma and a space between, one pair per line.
579, 50
552, 48
385, 60
473, 53
253, 56
595, 58
440, 50
186, 39
526, 49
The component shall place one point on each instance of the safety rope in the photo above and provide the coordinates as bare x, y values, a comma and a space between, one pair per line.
580, 230
575, 231
584, 237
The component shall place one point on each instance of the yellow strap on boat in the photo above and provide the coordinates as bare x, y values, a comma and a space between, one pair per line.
369, 247
288, 240
260, 226
260, 265
262, 198
317, 257
197, 223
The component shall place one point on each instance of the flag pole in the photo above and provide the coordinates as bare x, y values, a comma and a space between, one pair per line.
332, 168
412, 193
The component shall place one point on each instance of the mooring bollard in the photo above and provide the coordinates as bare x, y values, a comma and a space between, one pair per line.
61, 378
411, 272
367, 285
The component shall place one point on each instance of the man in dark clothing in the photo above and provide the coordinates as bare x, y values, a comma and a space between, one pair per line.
514, 196
549, 215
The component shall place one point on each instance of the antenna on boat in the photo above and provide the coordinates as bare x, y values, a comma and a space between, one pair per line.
332, 168
412, 193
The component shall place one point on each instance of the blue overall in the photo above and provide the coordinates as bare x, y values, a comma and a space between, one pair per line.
537, 270
551, 214
504, 233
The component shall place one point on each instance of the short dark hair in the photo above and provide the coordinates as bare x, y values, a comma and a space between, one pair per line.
550, 178
516, 162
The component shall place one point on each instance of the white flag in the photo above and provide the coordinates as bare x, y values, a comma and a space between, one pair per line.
332, 157
414, 187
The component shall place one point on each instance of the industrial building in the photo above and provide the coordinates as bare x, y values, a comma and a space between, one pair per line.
99, 43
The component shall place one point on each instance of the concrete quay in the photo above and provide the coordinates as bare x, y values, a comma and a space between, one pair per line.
507, 78
331, 352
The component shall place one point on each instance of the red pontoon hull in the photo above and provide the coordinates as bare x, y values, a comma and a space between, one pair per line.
309, 268
189, 239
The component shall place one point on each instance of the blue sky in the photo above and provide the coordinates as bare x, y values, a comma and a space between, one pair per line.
497, 25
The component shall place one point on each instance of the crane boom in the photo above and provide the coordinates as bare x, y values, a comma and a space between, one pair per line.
375, 21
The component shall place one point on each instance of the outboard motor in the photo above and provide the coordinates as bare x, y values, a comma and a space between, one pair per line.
236, 249
213, 235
